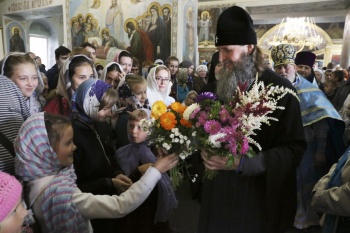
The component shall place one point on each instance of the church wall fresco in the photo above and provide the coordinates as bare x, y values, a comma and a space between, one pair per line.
141, 27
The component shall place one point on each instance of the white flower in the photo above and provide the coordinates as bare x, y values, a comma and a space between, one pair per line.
172, 135
194, 133
213, 139
187, 113
166, 146
182, 155
176, 140
181, 141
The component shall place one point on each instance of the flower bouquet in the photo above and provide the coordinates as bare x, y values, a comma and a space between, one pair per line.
226, 129
169, 130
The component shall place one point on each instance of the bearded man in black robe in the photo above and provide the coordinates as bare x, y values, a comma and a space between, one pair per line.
254, 195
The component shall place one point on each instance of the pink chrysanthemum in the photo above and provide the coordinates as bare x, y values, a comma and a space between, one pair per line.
212, 127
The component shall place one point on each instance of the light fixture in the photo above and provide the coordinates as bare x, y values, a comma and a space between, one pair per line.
299, 32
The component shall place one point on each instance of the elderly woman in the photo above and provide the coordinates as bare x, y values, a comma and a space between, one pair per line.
200, 78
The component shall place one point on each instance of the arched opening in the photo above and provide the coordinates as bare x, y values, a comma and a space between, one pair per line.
43, 40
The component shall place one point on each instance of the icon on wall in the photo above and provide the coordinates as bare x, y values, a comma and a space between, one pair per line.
15, 37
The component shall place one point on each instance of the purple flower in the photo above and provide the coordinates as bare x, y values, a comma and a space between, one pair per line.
205, 96
212, 127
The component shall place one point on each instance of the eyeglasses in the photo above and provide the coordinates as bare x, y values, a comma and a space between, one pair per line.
286, 67
161, 79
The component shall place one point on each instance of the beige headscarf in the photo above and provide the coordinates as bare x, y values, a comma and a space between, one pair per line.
64, 81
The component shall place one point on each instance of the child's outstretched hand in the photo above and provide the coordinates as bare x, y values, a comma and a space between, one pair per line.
143, 168
165, 163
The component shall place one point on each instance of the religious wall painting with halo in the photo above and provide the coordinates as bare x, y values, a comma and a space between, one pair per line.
141, 27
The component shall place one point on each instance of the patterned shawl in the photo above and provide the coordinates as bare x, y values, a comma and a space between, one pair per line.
86, 100
64, 83
35, 158
125, 94
129, 157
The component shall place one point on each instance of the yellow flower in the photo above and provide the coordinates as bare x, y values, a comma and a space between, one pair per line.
158, 109
178, 107
168, 120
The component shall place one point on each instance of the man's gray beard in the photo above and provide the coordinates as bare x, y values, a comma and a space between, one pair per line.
242, 72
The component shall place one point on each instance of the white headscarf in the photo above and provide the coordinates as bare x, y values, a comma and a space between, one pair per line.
104, 72
323, 79
153, 93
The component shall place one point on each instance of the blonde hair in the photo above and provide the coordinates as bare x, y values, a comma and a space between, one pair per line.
109, 98
161, 67
182, 76
14, 60
138, 115
133, 79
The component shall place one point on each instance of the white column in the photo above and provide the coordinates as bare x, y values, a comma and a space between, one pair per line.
345, 52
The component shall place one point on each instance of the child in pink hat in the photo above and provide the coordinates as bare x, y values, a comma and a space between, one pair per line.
12, 211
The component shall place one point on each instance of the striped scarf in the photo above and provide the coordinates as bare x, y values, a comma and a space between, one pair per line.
35, 158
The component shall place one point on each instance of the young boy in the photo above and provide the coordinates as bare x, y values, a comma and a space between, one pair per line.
134, 160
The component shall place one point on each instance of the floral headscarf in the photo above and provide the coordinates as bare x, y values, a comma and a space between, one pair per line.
86, 100
125, 94
35, 158
153, 93
64, 83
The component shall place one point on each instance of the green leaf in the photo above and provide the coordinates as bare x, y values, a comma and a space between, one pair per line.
251, 154
230, 162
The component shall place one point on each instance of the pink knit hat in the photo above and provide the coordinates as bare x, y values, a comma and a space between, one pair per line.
10, 193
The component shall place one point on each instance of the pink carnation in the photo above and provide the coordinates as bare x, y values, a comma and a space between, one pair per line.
232, 146
245, 145
224, 115
194, 113
212, 127
202, 118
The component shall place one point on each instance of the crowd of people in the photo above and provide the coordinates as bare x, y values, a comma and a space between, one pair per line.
73, 152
